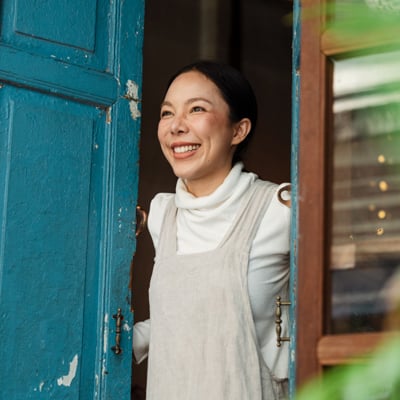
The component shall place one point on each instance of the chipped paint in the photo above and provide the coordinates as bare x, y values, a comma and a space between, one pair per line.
66, 380
132, 95
41, 386
120, 219
126, 327
105, 335
293, 356
108, 115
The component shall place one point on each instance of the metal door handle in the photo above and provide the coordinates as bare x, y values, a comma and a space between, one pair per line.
278, 321
141, 220
118, 319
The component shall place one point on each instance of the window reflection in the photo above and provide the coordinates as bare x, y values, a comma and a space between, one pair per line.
365, 235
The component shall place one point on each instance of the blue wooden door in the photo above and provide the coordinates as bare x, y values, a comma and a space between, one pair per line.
294, 195
70, 73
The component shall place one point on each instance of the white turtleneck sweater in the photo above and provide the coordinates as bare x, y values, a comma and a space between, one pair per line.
202, 223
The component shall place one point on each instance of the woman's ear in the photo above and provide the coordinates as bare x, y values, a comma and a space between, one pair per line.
242, 129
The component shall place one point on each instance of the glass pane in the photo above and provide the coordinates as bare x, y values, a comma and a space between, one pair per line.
365, 235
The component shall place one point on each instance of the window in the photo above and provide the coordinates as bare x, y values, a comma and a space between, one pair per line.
349, 185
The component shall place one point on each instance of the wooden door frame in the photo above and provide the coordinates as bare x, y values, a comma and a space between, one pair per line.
311, 199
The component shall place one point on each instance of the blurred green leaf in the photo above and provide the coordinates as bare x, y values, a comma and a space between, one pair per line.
376, 379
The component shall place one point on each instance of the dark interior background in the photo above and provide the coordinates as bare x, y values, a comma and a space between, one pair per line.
252, 35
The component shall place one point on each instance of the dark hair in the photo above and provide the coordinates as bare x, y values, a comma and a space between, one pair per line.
235, 90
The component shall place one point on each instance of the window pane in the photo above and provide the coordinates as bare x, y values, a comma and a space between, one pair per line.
365, 235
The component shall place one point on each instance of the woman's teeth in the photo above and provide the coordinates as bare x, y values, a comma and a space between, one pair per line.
184, 149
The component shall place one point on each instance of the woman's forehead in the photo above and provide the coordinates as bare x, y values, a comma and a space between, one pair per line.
190, 85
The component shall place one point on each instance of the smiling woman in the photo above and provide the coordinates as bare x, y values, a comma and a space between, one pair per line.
222, 243
196, 133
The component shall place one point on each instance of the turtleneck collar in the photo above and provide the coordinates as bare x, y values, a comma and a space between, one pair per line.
235, 178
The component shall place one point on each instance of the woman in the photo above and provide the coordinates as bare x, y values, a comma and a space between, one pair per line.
221, 245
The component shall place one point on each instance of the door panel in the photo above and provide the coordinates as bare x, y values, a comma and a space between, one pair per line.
48, 253
69, 30
68, 171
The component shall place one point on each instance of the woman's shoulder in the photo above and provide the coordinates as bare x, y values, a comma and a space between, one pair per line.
278, 213
160, 201
156, 214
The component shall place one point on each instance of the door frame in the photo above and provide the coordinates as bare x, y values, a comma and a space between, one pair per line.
294, 172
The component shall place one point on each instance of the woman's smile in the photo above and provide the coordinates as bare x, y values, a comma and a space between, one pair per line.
182, 150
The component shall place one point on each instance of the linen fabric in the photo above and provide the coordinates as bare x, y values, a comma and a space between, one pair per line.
202, 224
203, 343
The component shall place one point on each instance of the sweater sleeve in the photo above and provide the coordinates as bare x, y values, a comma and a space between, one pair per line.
141, 339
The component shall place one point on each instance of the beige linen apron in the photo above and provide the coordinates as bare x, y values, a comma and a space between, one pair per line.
203, 344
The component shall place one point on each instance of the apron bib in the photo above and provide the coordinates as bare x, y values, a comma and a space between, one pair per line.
203, 343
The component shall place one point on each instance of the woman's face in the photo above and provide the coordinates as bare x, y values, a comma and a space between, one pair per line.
195, 132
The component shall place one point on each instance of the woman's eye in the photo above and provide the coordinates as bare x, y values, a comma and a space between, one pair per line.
165, 113
197, 109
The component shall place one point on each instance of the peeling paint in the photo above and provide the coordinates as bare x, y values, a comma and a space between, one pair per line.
105, 344
120, 219
108, 115
132, 95
41, 386
126, 327
66, 380
293, 356
105, 336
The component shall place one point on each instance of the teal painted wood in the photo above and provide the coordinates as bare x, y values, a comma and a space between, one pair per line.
65, 30
71, 81
49, 212
68, 173
294, 181
123, 169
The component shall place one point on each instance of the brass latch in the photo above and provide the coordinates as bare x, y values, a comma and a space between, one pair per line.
141, 220
118, 322
278, 321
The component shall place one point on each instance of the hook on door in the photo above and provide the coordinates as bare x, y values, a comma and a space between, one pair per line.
141, 220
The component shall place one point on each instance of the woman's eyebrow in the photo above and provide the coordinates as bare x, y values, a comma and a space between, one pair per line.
194, 99
188, 101
166, 103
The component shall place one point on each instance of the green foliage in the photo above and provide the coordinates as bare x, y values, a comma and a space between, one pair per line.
358, 18
376, 379
368, 21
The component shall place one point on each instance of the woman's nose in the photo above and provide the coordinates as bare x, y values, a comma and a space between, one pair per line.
178, 125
